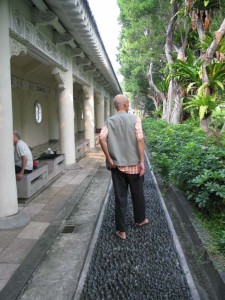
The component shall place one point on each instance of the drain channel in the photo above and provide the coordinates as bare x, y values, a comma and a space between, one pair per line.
68, 229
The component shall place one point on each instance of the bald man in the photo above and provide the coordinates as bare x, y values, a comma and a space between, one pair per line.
122, 142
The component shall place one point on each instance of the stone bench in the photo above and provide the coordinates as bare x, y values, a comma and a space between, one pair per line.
96, 139
82, 148
33, 182
55, 165
38, 150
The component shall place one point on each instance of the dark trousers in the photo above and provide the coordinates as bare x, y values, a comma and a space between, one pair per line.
121, 181
18, 170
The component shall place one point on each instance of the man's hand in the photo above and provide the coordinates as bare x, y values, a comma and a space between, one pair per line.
19, 176
111, 164
142, 169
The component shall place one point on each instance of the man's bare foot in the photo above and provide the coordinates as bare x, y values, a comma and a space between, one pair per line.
121, 234
145, 222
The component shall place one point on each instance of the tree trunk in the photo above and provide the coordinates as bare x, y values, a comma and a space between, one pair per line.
154, 87
177, 112
204, 124
223, 128
209, 54
173, 108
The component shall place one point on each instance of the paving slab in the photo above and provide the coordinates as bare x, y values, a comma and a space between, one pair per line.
33, 230
16, 250
51, 190
57, 202
46, 215
6, 270
6, 236
33, 209
42, 199
3, 282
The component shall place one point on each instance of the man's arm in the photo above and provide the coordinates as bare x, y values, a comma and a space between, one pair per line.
24, 164
141, 148
102, 140
141, 145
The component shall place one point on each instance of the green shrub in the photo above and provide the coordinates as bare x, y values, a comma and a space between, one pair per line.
182, 156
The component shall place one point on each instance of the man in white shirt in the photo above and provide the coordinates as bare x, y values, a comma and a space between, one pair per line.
23, 157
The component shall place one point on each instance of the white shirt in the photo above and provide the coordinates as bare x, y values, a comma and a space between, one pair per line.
21, 149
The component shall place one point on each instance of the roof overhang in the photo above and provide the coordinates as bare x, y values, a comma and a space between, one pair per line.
76, 17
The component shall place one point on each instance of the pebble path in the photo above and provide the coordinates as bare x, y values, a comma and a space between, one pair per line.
144, 266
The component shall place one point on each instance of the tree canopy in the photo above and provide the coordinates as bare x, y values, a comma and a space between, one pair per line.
172, 53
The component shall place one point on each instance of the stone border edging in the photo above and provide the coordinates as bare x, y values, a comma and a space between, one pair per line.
185, 212
182, 259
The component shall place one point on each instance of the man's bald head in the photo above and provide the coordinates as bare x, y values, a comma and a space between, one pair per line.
121, 102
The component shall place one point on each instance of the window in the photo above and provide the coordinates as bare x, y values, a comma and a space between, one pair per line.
38, 112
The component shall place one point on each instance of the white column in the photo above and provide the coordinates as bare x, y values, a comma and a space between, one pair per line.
66, 114
80, 115
100, 114
112, 108
76, 110
89, 115
107, 108
8, 192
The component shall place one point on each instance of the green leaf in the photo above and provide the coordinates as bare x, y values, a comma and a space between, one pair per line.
202, 111
206, 2
220, 84
190, 86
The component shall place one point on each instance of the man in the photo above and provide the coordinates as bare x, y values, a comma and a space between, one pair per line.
23, 157
122, 142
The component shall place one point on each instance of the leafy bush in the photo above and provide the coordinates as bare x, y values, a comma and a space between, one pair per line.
182, 156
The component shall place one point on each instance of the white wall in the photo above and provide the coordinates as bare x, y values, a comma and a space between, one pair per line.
24, 117
53, 117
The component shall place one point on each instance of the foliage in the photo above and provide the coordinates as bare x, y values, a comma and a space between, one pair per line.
217, 119
179, 153
142, 36
214, 222
187, 72
202, 103
144, 30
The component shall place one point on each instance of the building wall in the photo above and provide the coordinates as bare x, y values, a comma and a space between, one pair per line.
24, 117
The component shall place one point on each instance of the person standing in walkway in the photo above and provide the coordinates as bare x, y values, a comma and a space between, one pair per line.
122, 142
23, 157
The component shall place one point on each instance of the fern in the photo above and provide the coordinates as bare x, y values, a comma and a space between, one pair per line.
202, 111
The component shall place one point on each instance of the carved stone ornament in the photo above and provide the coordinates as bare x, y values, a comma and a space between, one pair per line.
60, 77
17, 48
86, 91
25, 31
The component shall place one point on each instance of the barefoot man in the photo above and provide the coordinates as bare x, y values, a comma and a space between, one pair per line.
122, 142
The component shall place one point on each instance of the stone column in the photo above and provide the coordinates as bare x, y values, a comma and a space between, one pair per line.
8, 191
112, 108
107, 106
89, 115
76, 110
100, 114
66, 114
80, 115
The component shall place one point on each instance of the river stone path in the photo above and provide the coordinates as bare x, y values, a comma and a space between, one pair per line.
144, 266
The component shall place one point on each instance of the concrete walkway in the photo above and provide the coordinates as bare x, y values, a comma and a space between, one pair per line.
40, 225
